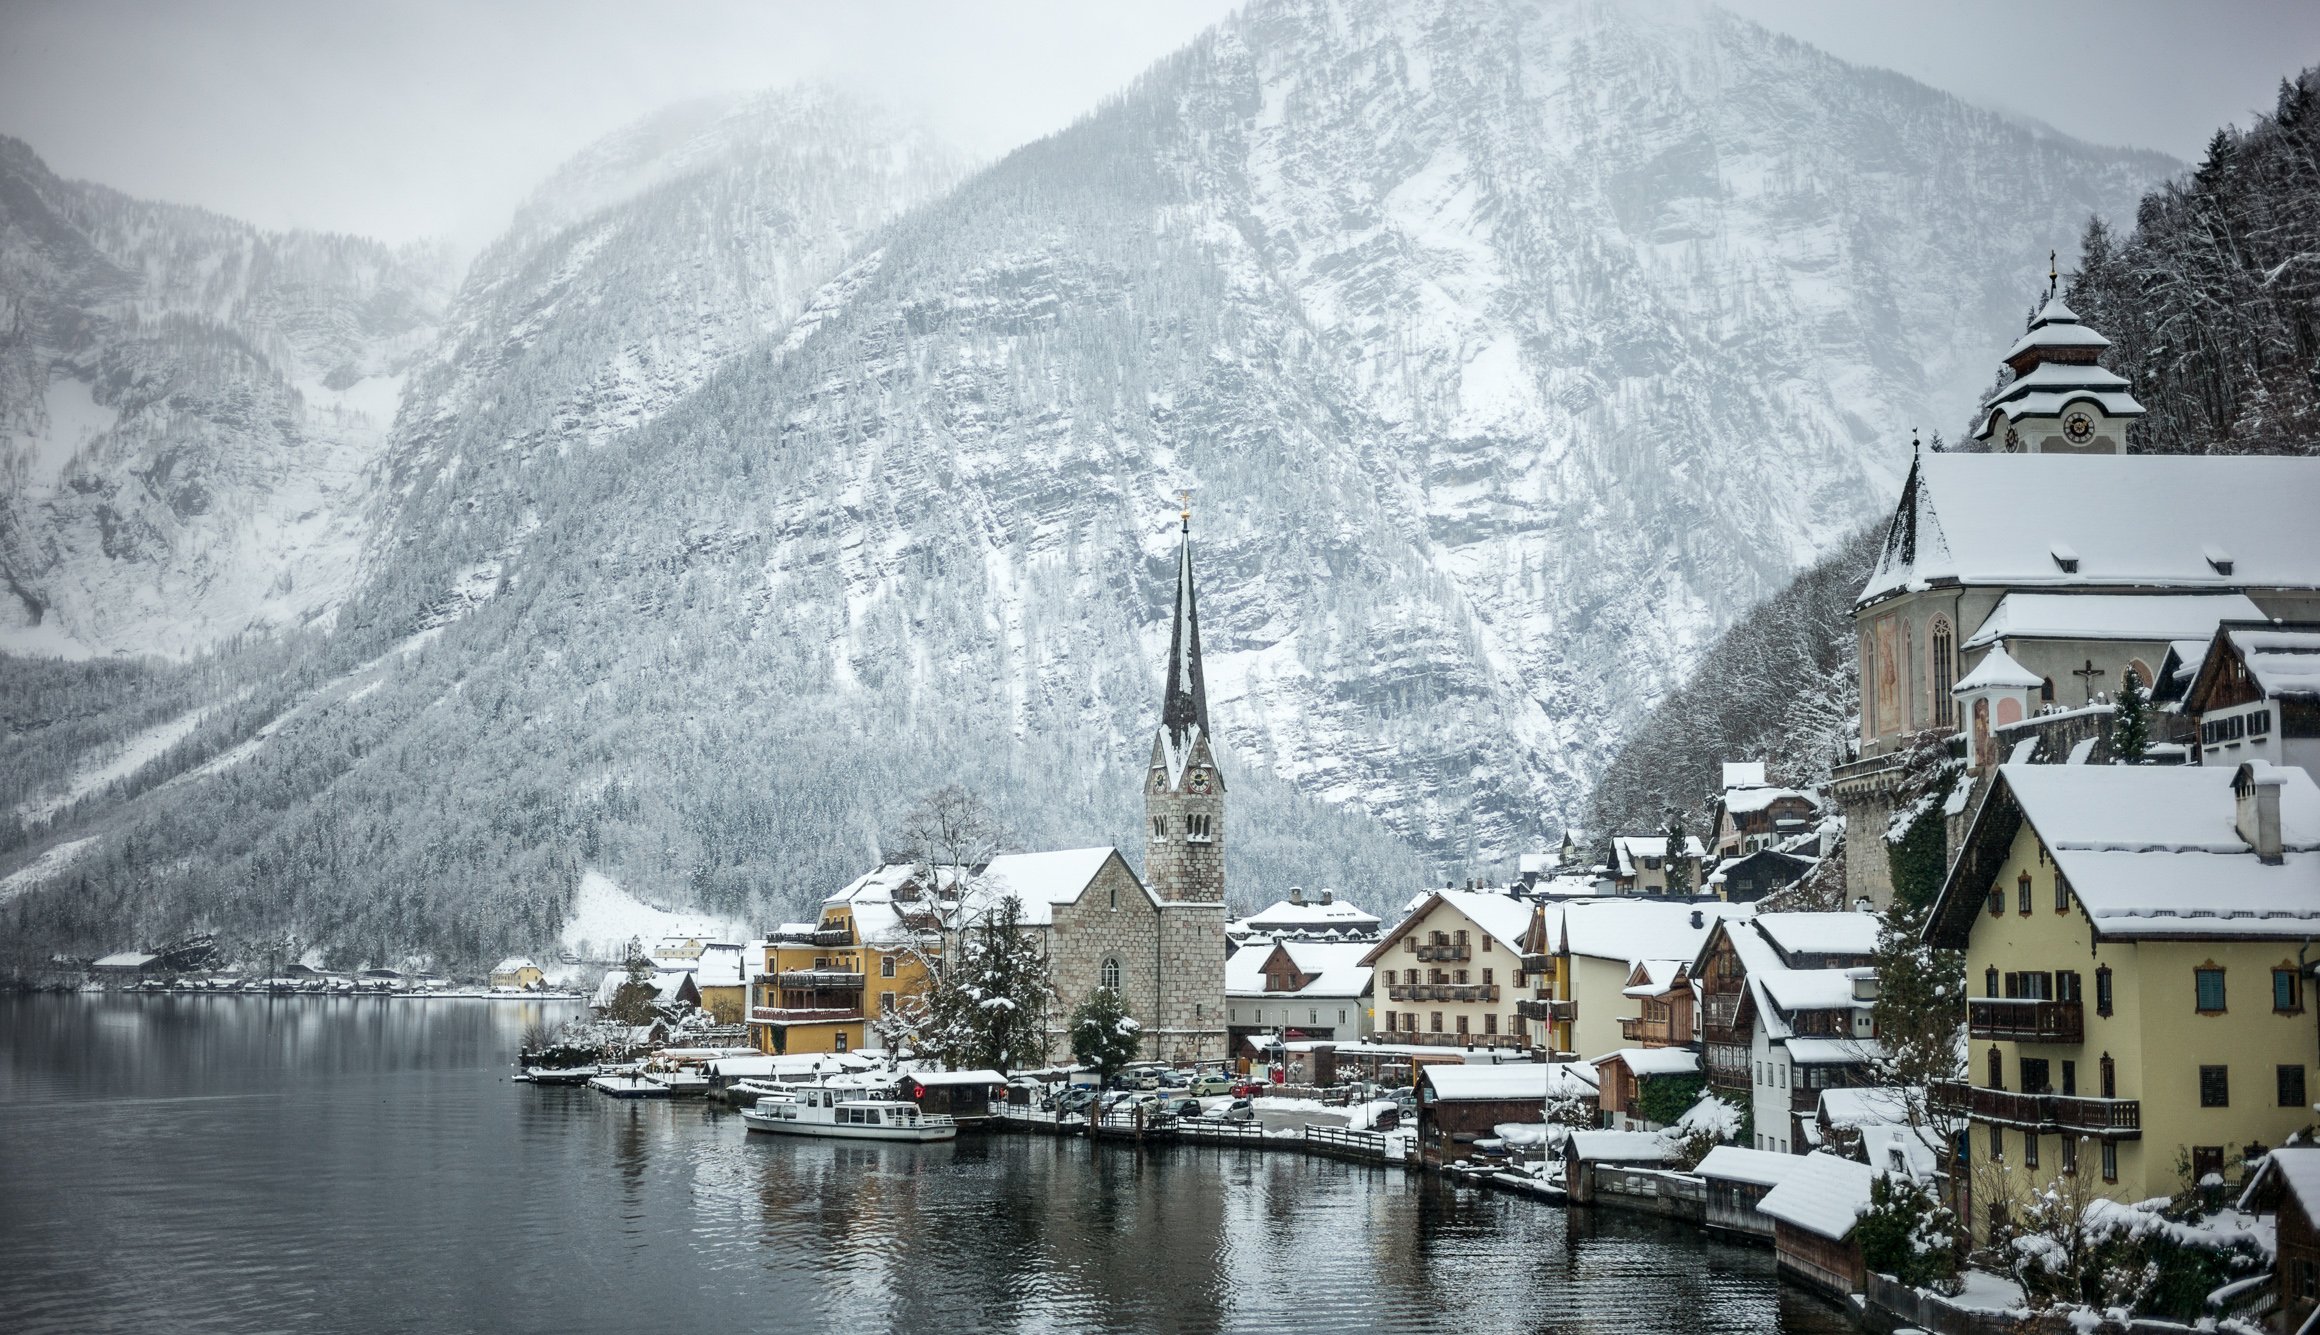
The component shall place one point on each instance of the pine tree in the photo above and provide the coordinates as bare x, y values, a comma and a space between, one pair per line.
988, 1006
2131, 729
1103, 1035
1679, 869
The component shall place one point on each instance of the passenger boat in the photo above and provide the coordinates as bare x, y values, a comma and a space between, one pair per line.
819, 1110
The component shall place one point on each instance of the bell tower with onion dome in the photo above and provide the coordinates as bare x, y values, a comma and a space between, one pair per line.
2060, 401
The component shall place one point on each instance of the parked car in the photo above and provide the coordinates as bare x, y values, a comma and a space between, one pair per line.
1074, 1100
1181, 1107
1211, 1085
1175, 1080
1239, 1110
1248, 1089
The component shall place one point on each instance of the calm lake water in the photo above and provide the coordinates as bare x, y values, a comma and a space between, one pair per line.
245, 1164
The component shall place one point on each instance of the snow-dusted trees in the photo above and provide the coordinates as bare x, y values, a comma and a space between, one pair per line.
988, 1006
1103, 1035
2213, 302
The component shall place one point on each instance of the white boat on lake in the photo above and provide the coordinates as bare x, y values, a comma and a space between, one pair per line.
821, 1110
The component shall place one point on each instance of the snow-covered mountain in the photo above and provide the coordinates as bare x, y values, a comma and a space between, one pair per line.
190, 410
1512, 348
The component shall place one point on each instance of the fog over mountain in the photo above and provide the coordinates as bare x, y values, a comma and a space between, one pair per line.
774, 468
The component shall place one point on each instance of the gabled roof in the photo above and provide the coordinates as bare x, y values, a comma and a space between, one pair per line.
1462, 1082
2283, 660
2112, 616
1617, 1146
1041, 881
2293, 1171
1823, 1195
2129, 521
1645, 1062
1629, 929
1734, 1163
2148, 851
1998, 671
1335, 967
1833, 933
1504, 917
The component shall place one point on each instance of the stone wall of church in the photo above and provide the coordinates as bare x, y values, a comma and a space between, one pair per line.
1180, 866
1192, 1016
1113, 920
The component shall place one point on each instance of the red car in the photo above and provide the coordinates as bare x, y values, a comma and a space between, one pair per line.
1249, 1089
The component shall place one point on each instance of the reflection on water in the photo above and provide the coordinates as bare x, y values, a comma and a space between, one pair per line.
250, 1164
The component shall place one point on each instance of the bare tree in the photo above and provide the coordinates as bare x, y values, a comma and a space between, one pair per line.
948, 837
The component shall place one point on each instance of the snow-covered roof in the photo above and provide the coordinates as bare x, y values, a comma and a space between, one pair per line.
1998, 672
1475, 1082
1335, 966
1734, 1163
126, 959
2110, 616
1808, 1050
722, 964
1757, 799
1859, 1107
2283, 662
1810, 989
937, 1079
1659, 977
1629, 929
1835, 933
2057, 326
1630, 849
1504, 917
1823, 1195
1040, 880
2152, 850
2295, 1169
2130, 520
1654, 1061
1283, 913
1618, 1147
513, 963
1743, 774
2050, 385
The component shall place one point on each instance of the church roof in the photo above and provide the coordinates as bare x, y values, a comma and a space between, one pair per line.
1998, 670
2057, 326
1184, 704
2192, 522
2152, 617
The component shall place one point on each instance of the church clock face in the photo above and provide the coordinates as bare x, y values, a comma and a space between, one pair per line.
1199, 783
2079, 428
2013, 440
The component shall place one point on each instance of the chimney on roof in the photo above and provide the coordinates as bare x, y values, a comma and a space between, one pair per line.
1470, 883
1328, 896
2255, 790
1699, 919
1297, 895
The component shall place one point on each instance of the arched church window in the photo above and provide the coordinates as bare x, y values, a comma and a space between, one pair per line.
1944, 672
2142, 671
1111, 975
2046, 691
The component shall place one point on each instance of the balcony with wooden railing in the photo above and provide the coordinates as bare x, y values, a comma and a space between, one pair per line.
1538, 963
2025, 1020
1447, 951
1654, 1033
1442, 992
2112, 1119
1546, 1010
819, 980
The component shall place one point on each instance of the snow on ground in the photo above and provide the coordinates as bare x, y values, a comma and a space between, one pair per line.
134, 755
48, 864
604, 917
1985, 1292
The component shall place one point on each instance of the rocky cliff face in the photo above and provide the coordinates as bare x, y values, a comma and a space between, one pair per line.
1511, 350
191, 411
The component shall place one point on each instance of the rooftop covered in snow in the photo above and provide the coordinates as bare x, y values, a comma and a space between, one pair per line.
2148, 851
2156, 617
1823, 1195
2189, 522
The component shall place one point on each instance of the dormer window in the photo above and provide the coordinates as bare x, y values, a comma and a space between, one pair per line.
2218, 560
2065, 556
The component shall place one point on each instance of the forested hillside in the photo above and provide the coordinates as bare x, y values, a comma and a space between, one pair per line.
2212, 304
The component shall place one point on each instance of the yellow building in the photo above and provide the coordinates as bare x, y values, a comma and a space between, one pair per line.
2135, 943
824, 986
516, 973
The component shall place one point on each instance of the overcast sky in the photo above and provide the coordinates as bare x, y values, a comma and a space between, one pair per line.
402, 120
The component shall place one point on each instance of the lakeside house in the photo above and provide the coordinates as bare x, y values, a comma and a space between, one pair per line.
1460, 1103
515, 974
1623, 1076
1584, 1151
1298, 990
1738, 1179
1450, 970
1786, 1002
1813, 1210
2134, 941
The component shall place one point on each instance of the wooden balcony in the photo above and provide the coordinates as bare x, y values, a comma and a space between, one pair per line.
1654, 1033
819, 980
1545, 1010
1452, 951
2110, 1119
831, 936
1442, 992
2025, 1021
803, 1014
1536, 963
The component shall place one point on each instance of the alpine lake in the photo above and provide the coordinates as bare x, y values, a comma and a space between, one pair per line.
248, 1164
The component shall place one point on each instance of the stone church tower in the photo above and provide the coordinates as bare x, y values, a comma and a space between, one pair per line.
1184, 840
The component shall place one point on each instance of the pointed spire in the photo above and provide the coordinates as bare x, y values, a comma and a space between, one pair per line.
2053, 277
1184, 706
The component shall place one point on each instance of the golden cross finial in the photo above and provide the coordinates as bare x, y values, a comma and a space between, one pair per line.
1184, 499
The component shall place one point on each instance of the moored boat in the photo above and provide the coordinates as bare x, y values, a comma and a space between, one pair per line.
821, 1110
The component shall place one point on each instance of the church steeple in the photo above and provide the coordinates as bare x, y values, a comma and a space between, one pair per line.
1184, 789
2061, 400
1184, 705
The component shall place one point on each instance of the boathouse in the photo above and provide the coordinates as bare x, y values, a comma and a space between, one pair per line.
1813, 1212
1738, 1179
